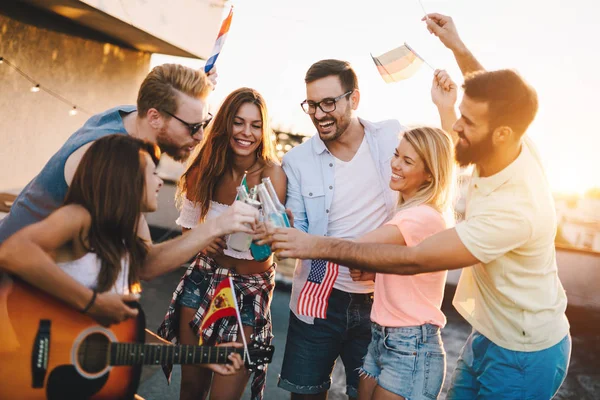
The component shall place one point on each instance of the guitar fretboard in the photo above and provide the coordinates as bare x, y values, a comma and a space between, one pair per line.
147, 354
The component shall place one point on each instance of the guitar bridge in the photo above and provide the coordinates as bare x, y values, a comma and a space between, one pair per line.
39, 355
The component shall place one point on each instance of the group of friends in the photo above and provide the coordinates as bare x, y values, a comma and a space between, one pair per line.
371, 205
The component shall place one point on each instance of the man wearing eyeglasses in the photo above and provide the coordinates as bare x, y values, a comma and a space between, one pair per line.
172, 112
337, 186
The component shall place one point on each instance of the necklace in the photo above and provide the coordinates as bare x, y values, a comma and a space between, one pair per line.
249, 170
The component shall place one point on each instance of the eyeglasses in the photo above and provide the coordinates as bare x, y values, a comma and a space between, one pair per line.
326, 105
194, 128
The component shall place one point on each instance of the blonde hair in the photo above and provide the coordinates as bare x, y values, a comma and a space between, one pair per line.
159, 89
435, 148
213, 157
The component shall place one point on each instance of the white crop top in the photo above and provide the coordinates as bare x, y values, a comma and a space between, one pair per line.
85, 270
190, 215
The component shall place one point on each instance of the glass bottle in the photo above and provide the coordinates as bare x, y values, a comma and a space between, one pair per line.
278, 206
240, 241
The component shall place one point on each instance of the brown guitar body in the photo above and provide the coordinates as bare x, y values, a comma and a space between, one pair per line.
74, 365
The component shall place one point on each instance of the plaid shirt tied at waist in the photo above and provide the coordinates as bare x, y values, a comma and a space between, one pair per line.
259, 287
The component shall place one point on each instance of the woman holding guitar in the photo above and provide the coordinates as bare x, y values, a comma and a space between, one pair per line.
94, 238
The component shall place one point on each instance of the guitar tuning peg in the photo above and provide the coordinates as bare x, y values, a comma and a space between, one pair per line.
261, 367
252, 336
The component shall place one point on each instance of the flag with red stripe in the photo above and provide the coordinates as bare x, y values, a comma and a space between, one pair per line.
314, 296
398, 64
219, 42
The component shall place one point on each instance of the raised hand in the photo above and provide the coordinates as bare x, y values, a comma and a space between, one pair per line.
443, 90
212, 76
443, 27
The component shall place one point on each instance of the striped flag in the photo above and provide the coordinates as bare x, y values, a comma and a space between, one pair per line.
314, 296
220, 42
398, 64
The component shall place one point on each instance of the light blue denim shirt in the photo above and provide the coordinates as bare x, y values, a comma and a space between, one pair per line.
310, 170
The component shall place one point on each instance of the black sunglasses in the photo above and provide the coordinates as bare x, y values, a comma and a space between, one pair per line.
194, 128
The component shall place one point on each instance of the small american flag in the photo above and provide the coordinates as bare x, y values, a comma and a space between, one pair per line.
314, 296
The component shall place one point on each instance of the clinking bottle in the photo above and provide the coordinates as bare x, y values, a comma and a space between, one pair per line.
269, 214
278, 206
240, 241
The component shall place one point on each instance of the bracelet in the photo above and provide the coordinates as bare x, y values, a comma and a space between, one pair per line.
89, 305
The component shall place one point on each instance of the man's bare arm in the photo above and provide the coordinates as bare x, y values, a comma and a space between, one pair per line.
439, 252
443, 27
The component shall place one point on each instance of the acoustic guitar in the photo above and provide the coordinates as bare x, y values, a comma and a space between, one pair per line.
50, 351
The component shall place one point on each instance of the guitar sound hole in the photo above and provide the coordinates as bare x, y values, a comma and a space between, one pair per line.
92, 352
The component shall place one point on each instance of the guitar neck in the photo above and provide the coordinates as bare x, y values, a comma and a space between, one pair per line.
155, 354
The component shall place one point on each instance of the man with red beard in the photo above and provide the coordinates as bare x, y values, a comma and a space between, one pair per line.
172, 112
169, 96
509, 289
337, 186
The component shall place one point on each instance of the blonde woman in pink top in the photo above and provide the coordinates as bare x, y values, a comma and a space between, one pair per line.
406, 357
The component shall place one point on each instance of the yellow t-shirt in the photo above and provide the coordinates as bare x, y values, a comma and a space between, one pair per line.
514, 296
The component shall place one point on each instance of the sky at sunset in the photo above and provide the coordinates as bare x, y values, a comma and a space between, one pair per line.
272, 43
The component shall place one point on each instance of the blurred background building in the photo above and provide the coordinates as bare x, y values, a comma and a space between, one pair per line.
65, 60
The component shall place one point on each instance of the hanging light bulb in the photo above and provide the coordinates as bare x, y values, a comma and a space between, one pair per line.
1, 60
73, 111
35, 89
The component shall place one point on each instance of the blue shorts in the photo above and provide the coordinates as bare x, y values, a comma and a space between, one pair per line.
487, 371
196, 285
407, 361
311, 350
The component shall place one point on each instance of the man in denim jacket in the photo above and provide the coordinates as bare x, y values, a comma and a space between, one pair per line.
337, 186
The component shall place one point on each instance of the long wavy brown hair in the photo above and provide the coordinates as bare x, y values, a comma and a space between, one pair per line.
110, 184
214, 156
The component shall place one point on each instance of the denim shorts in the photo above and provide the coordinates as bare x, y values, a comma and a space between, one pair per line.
194, 287
485, 370
311, 350
408, 361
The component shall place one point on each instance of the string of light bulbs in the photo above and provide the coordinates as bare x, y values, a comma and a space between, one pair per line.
74, 109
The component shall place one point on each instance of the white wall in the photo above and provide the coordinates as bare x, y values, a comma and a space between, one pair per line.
94, 75
175, 21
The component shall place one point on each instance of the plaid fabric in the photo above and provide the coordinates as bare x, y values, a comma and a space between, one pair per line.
259, 287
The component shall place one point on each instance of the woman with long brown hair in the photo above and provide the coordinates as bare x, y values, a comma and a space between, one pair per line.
93, 236
237, 142
94, 240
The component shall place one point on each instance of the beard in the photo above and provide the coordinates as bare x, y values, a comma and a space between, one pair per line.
474, 152
342, 123
167, 145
